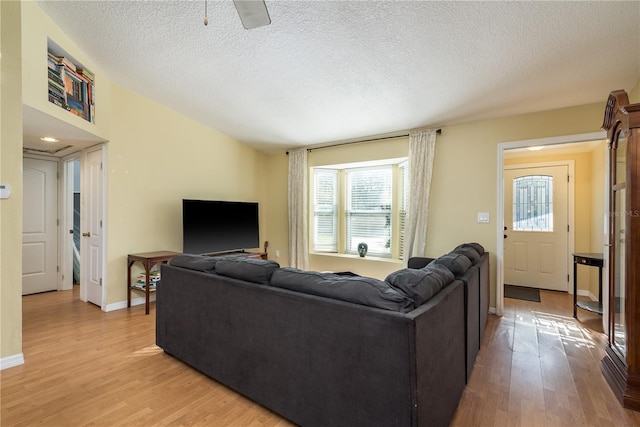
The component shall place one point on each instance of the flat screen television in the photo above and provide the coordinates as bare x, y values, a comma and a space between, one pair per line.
213, 226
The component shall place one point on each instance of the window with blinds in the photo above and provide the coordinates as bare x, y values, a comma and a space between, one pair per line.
325, 200
366, 204
368, 210
403, 178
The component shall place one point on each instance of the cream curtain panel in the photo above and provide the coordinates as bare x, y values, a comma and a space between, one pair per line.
422, 147
298, 218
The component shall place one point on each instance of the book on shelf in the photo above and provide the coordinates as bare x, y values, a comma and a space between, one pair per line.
61, 60
71, 87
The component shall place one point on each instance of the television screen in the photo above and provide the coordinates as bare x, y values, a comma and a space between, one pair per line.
211, 226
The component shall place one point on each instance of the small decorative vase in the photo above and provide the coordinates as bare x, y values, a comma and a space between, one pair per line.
362, 249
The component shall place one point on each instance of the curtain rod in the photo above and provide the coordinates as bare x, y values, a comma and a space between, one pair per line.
438, 131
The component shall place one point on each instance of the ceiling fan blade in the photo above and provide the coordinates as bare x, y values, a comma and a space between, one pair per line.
253, 13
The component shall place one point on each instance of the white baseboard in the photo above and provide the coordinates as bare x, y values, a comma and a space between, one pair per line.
11, 361
123, 304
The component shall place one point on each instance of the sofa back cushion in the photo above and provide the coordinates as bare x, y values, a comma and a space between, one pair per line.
475, 246
469, 252
356, 289
248, 269
421, 284
203, 263
457, 263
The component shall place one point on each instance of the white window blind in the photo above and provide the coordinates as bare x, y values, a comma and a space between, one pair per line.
368, 210
403, 178
325, 228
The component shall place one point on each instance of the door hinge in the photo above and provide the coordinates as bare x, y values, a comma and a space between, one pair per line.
568, 178
101, 281
567, 279
100, 223
567, 228
58, 222
57, 269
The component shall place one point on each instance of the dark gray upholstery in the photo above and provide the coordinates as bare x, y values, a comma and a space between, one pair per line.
357, 289
457, 263
249, 269
195, 262
475, 246
420, 285
470, 253
314, 360
476, 285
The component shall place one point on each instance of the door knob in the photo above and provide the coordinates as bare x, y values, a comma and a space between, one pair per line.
70, 231
86, 234
505, 228
505, 236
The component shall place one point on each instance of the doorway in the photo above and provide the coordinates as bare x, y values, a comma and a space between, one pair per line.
537, 225
500, 223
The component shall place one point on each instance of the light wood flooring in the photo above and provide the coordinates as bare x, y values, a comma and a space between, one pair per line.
537, 367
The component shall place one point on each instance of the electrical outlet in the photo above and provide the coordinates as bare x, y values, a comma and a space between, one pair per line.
277, 253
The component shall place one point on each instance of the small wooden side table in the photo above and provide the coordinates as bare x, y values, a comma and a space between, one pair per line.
592, 260
148, 260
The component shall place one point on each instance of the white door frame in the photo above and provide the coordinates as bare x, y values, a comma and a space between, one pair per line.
584, 137
570, 209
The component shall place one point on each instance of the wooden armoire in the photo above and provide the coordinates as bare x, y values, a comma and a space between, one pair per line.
621, 364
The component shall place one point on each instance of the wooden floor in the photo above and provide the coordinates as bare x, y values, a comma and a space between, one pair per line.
537, 367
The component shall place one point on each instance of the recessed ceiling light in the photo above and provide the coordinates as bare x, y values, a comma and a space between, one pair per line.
536, 148
49, 139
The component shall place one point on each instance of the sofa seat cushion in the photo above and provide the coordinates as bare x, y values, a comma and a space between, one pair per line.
421, 284
457, 263
249, 269
203, 263
356, 289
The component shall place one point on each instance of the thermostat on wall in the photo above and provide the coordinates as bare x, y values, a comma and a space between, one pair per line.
5, 191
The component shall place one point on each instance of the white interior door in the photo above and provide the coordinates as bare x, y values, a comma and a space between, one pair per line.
39, 229
91, 271
536, 227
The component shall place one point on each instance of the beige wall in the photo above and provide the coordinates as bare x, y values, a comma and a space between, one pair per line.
10, 173
157, 157
464, 180
36, 28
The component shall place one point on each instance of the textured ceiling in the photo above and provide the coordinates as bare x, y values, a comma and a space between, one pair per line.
327, 71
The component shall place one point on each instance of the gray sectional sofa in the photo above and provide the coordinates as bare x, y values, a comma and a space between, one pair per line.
321, 349
470, 264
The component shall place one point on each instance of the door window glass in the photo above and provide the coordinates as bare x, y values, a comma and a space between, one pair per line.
533, 203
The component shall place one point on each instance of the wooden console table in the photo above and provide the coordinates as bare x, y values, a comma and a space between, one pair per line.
148, 260
593, 260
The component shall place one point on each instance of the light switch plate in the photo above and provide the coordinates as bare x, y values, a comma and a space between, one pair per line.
483, 217
5, 191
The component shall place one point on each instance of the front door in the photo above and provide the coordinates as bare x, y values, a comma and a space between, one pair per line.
39, 226
92, 226
536, 227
